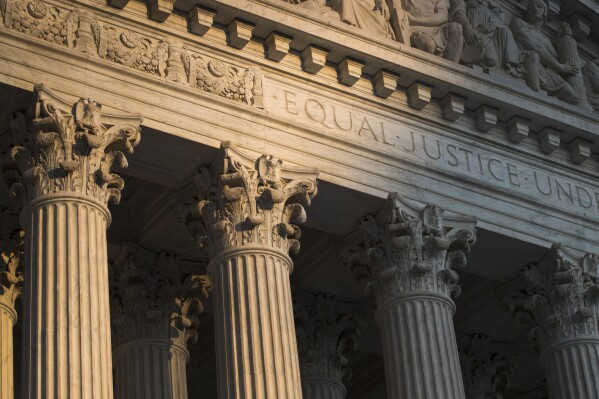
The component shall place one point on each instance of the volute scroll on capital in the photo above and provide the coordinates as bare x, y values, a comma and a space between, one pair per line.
61, 148
406, 250
560, 298
153, 298
242, 201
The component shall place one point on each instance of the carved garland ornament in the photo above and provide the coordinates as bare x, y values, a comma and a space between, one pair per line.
409, 250
170, 60
242, 202
62, 148
151, 297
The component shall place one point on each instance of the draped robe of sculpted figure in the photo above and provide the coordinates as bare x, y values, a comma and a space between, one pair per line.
543, 69
430, 29
370, 15
489, 40
591, 81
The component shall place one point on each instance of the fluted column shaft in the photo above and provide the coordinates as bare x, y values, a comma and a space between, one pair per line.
8, 317
66, 334
150, 369
572, 369
322, 388
255, 334
420, 348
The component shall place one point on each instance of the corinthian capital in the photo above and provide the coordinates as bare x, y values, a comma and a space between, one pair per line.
406, 249
486, 373
11, 258
325, 338
151, 297
64, 148
560, 297
243, 201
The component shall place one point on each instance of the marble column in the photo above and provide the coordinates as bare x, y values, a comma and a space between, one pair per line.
561, 299
405, 260
63, 157
486, 373
155, 309
325, 341
246, 217
11, 278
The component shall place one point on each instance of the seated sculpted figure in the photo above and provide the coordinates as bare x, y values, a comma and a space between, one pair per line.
430, 29
489, 41
540, 59
591, 81
371, 15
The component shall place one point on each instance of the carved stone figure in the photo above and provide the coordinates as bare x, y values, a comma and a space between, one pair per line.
430, 29
541, 60
371, 15
591, 81
489, 41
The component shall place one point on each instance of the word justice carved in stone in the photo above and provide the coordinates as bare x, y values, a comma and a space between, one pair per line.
432, 151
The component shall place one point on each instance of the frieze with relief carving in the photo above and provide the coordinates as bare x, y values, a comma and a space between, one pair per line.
167, 59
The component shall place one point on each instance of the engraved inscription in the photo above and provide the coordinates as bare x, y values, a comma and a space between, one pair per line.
432, 150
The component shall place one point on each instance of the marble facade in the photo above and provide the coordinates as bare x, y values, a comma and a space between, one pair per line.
325, 199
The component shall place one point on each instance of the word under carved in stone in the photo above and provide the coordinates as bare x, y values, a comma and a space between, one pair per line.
242, 201
326, 339
153, 298
475, 32
61, 147
160, 57
486, 372
560, 298
409, 250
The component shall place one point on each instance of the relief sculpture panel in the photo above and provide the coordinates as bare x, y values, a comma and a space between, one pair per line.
156, 56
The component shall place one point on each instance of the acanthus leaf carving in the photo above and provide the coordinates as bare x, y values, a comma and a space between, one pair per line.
62, 148
326, 339
486, 374
12, 243
405, 249
560, 298
244, 202
152, 298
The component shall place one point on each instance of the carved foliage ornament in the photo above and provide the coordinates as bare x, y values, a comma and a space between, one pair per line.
61, 148
405, 249
325, 338
12, 241
243, 202
486, 374
150, 297
560, 298
167, 59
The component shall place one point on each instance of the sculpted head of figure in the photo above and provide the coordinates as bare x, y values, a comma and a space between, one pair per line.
536, 10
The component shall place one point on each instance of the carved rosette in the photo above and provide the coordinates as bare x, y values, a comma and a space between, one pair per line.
486, 374
242, 202
409, 250
151, 298
11, 258
63, 148
560, 298
325, 339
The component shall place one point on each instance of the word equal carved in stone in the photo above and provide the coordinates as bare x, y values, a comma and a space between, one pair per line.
406, 260
560, 302
155, 309
326, 339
